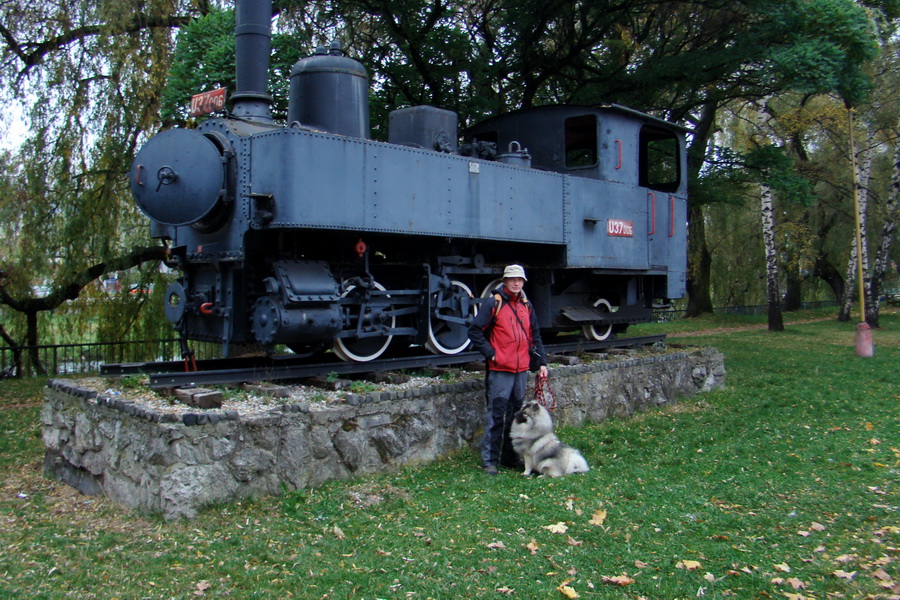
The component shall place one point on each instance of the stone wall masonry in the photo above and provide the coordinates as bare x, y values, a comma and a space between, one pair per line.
175, 465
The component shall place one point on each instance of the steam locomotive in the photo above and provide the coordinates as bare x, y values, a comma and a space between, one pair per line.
316, 237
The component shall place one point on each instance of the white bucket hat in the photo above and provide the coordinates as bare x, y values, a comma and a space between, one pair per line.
514, 271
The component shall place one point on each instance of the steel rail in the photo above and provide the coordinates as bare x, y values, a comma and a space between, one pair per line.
286, 367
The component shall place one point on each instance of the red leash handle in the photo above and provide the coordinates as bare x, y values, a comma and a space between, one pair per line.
546, 399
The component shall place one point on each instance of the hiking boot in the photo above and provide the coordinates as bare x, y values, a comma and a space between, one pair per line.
490, 469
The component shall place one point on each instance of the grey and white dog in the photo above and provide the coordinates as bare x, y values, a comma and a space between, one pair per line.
533, 439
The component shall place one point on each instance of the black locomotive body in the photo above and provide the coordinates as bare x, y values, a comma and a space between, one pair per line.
316, 237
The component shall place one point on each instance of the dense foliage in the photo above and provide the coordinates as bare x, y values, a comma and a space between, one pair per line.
94, 80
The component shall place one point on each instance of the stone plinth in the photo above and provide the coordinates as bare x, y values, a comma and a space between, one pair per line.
177, 464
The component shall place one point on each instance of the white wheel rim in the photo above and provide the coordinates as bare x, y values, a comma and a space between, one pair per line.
486, 292
346, 354
433, 344
592, 332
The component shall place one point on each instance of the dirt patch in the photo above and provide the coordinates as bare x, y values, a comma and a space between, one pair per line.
33, 495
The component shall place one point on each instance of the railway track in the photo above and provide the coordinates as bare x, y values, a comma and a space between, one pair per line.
286, 367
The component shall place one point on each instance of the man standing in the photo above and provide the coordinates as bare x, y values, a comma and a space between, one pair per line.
504, 331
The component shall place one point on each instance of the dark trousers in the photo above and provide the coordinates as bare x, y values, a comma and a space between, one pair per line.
504, 393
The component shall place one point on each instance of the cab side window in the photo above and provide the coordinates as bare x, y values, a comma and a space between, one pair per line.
581, 141
659, 159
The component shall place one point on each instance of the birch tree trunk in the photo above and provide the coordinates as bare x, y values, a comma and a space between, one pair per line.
882, 256
863, 172
773, 293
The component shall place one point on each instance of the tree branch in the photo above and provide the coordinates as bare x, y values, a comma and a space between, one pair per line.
71, 289
35, 53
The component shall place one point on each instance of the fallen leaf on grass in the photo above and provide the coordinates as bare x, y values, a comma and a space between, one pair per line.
532, 546
622, 580
202, 586
845, 558
497, 545
783, 567
598, 518
505, 590
842, 574
556, 527
568, 592
572, 541
640, 564
690, 565
796, 583
793, 582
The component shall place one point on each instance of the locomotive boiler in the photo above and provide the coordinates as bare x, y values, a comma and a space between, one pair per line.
313, 236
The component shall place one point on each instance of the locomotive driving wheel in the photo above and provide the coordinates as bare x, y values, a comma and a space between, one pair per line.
448, 331
599, 333
363, 349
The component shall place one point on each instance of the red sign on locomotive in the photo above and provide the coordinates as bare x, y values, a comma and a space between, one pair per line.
207, 102
620, 228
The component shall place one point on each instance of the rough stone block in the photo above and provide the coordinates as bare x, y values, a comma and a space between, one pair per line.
268, 390
200, 397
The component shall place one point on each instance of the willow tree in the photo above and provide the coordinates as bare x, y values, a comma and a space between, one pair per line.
88, 78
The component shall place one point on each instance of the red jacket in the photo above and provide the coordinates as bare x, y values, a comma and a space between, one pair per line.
507, 343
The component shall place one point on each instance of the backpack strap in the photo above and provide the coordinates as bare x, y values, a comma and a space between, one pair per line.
498, 304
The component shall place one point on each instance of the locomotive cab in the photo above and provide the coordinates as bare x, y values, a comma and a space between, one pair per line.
610, 142
625, 203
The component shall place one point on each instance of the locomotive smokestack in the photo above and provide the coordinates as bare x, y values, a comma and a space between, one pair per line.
253, 44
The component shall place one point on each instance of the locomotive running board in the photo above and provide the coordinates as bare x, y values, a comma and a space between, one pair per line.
589, 315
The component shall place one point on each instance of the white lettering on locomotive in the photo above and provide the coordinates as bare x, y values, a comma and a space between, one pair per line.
620, 228
207, 102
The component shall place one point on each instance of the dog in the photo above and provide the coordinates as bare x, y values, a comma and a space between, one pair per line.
533, 439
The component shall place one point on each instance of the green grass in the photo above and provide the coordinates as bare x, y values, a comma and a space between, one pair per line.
792, 466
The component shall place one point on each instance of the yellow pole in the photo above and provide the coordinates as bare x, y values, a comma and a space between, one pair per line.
863, 334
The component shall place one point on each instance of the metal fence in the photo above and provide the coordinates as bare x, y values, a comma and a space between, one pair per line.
63, 359
667, 315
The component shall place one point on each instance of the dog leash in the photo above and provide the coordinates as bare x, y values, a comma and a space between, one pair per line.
540, 396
